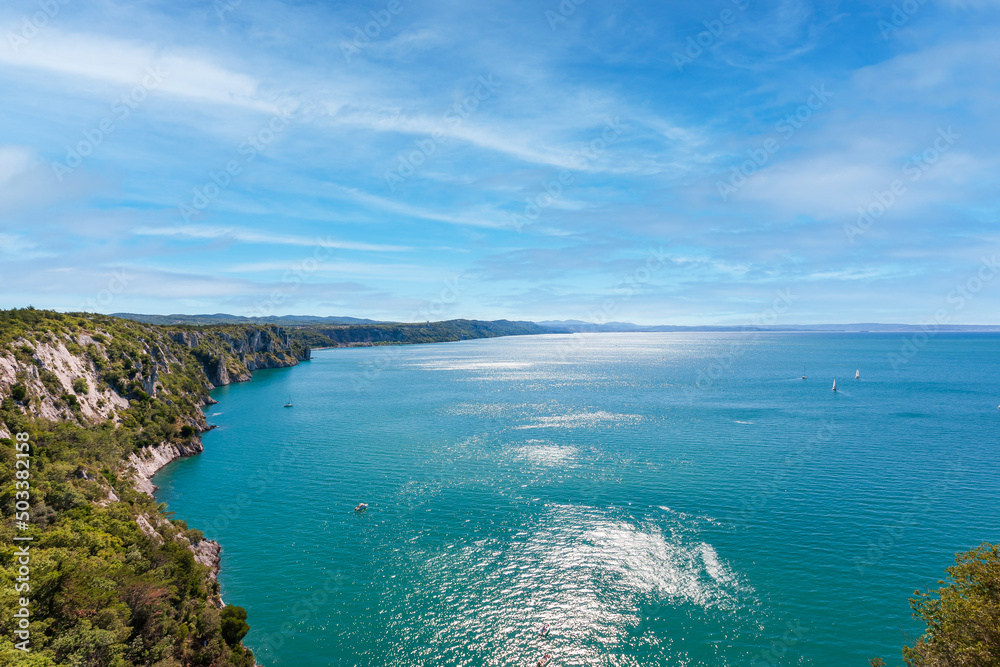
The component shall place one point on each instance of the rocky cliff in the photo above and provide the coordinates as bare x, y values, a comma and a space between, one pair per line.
95, 371
105, 403
230, 354
93, 374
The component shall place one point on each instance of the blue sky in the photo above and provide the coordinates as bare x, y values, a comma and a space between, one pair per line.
667, 163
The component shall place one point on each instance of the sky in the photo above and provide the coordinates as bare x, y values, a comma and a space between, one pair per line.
722, 162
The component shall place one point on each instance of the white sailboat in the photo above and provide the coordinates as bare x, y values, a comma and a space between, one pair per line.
857, 374
835, 385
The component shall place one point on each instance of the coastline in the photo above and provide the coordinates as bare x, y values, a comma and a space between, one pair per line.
151, 460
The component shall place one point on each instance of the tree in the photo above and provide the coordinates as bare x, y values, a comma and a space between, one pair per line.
963, 617
234, 624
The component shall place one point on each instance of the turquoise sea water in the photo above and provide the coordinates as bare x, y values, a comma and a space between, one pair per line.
659, 499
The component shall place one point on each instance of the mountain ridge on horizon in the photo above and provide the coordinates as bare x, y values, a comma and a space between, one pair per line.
562, 326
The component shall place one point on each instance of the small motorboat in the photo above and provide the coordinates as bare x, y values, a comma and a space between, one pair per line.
544, 630
544, 660
361, 507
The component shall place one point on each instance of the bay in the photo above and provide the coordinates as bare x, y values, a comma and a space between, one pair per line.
667, 499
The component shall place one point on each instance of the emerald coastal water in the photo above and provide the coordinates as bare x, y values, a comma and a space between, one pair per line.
659, 499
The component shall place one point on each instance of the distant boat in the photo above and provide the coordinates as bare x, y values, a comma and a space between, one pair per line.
835, 385
857, 374
544, 630
361, 507
289, 403
544, 660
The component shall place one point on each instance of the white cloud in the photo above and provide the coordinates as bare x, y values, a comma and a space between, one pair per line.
14, 160
129, 63
250, 236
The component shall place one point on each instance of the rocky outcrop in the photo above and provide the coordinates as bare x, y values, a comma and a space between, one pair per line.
208, 553
149, 461
48, 370
231, 354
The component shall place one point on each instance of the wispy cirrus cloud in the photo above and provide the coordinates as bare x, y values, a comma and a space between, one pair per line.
324, 180
262, 238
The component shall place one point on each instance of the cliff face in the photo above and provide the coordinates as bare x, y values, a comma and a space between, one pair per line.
105, 404
91, 375
230, 354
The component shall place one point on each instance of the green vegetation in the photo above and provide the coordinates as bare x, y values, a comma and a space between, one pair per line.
103, 591
222, 318
962, 617
234, 624
350, 331
397, 334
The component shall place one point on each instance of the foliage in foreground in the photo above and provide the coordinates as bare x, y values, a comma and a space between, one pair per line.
102, 592
962, 617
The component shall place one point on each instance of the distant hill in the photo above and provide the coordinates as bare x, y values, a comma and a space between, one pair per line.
223, 318
352, 335
317, 332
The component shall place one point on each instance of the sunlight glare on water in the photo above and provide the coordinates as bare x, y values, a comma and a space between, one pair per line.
657, 499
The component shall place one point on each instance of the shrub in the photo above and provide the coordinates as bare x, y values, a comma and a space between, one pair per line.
234, 624
187, 431
71, 402
50, 381
80, 386
18, 392
962, 617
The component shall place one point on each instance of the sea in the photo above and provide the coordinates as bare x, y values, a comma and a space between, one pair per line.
655, 498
